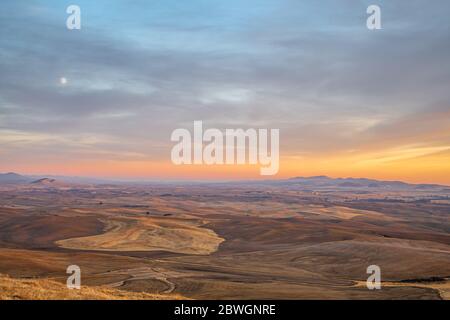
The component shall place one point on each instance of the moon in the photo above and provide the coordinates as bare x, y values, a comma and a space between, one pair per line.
63, 81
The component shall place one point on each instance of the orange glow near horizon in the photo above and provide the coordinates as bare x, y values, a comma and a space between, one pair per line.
432, 168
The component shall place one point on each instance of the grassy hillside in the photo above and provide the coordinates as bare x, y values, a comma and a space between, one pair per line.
42, 289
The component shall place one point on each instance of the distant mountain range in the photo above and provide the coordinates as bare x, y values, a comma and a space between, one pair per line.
324, 182
321, 182
13, 178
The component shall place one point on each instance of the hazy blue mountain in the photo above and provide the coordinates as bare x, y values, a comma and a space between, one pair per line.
13, 178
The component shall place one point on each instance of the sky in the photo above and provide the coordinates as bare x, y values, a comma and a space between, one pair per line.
103, 101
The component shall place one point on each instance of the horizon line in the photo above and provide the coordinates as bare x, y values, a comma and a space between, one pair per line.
188, 180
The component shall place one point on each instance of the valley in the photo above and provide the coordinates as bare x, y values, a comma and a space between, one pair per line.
267, 240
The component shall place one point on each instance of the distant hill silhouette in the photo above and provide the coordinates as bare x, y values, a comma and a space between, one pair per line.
324, 181
13, 178
49, 182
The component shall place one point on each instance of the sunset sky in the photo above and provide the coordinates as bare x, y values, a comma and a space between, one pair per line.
103, 101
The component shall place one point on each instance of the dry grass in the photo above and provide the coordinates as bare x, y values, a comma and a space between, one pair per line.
44, 289
281, 243
149, 234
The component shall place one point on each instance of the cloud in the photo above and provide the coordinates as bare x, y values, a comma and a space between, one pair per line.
138, 70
